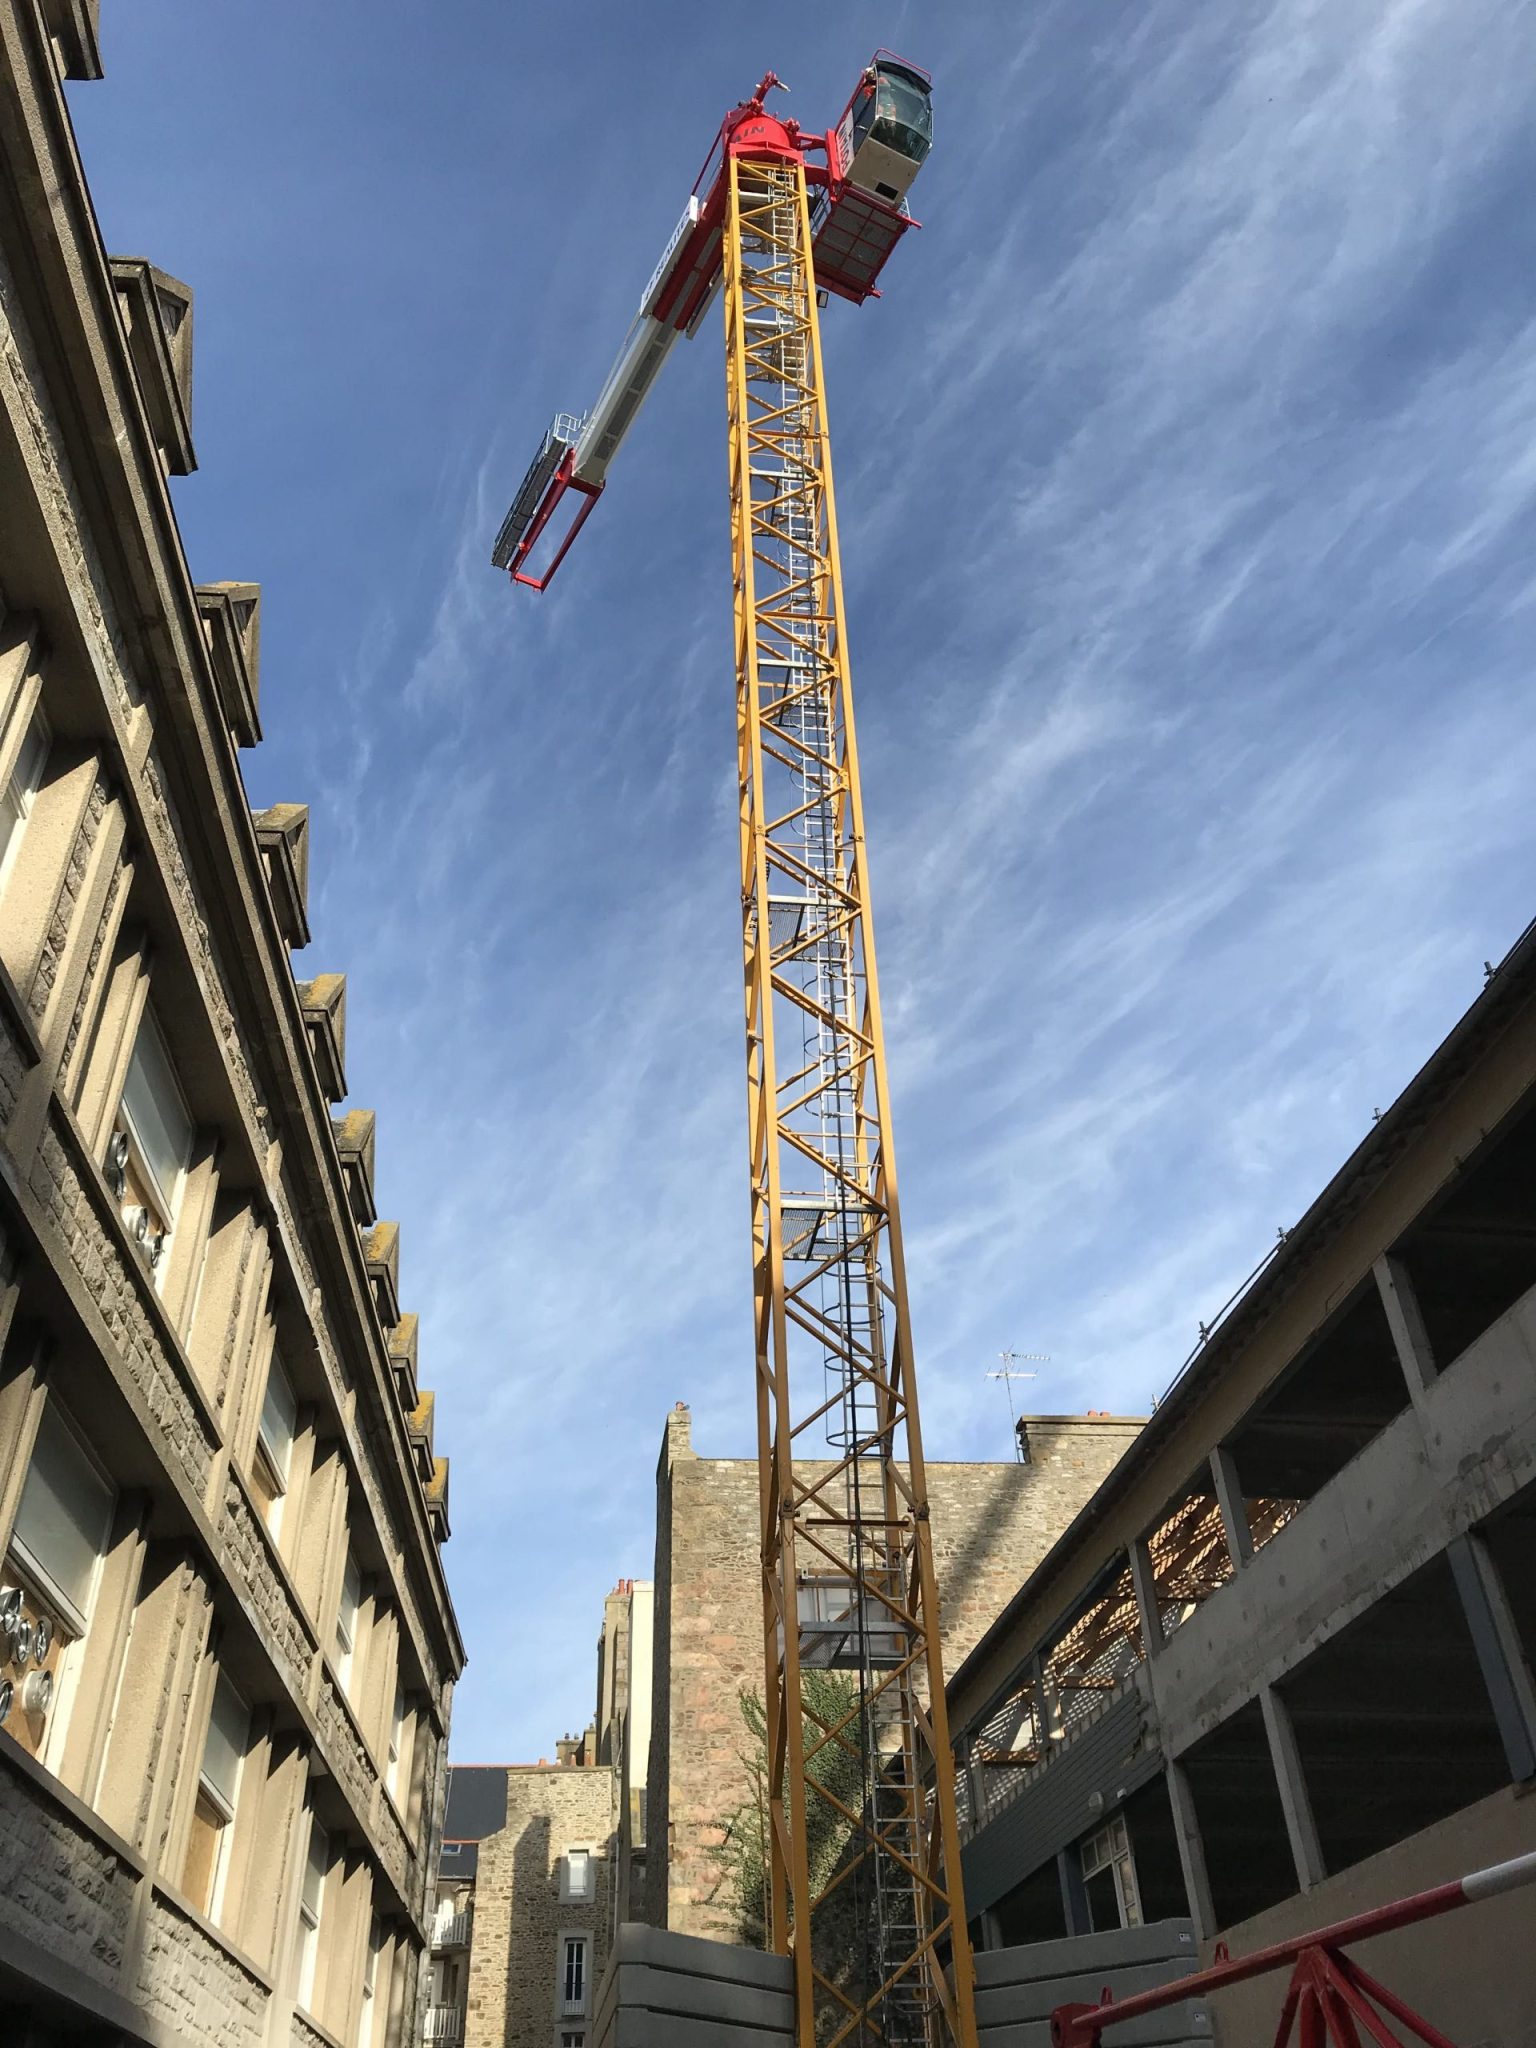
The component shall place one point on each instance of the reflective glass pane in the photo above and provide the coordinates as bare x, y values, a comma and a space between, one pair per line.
153, 1105
61, 1525
279, 1417
314, 1870
228, 1727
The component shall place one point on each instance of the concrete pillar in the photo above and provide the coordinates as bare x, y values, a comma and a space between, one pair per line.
1295, 1800
1228, 1489
1186, 1828
1394, 1283
1047, 1703
1500, 1652
1074, 1895
1144, 1579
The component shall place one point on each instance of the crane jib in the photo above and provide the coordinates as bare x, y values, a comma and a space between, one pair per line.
854, 229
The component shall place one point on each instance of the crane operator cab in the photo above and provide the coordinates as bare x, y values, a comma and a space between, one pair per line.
887, 129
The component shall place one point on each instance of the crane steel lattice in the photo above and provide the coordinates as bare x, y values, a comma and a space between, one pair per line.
848, 1575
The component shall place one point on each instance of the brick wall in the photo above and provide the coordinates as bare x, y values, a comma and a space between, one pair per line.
519, 1915
991, 1525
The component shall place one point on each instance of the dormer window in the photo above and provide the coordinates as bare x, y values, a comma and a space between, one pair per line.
231, 617
157, 318
324, 1003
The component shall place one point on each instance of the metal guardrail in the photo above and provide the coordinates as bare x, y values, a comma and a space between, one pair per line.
1331, 1998
451, 1930
444, 2023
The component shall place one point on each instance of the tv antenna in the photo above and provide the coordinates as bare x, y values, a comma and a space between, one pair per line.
1012, 1367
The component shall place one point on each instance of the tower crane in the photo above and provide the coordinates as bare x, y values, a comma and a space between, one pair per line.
779, 220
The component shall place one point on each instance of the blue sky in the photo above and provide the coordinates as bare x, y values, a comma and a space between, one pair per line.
1188, 498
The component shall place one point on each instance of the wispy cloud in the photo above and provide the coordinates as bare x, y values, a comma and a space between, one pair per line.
1187, 502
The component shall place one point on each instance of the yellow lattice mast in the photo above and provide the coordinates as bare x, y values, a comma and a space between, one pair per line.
848, 1578
862, 1853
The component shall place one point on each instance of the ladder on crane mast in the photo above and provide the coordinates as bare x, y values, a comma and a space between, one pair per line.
877, 1933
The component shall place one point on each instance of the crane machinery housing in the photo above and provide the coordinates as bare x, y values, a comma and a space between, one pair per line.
779, 219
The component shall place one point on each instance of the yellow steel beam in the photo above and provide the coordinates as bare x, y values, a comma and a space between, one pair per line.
833, 1345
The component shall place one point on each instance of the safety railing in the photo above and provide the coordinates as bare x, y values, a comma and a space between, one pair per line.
450, 1930
1330, 1998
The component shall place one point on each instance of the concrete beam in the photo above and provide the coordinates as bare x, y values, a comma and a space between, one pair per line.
1228, 1489
1500, 1653
1295, 1800
1186, 1828
1405, 1319
1144, 1579
1436, 1470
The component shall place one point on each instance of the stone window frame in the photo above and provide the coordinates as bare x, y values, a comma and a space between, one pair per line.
41, 1598
565, 2007
88, 1671
273, 1483
348, 1638
24, 759
400, 1747
309, 1919
569, 1896
369, 2003
128, 1151
230, 1807
292, 1544
136, 981
21, 708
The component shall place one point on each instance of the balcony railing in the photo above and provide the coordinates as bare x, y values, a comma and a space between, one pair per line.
451, 1930
444, 2023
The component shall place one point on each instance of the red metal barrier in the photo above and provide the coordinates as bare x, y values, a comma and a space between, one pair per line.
1329, 1998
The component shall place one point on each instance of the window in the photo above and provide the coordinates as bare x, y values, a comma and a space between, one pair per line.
311, 1898
573, 2037
151, 1145
218, 1785
62, 1525
20, 791
274, 1445
392, 1770
576, 1874
346, 1620
372, 2004
1109, 1878
573, 1974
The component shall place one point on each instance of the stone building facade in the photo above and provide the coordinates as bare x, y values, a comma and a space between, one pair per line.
528, 1879
991, 1524
543, 1909
227, 1651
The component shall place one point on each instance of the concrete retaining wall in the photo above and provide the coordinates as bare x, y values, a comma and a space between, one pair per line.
664, 1990
1017, 1989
